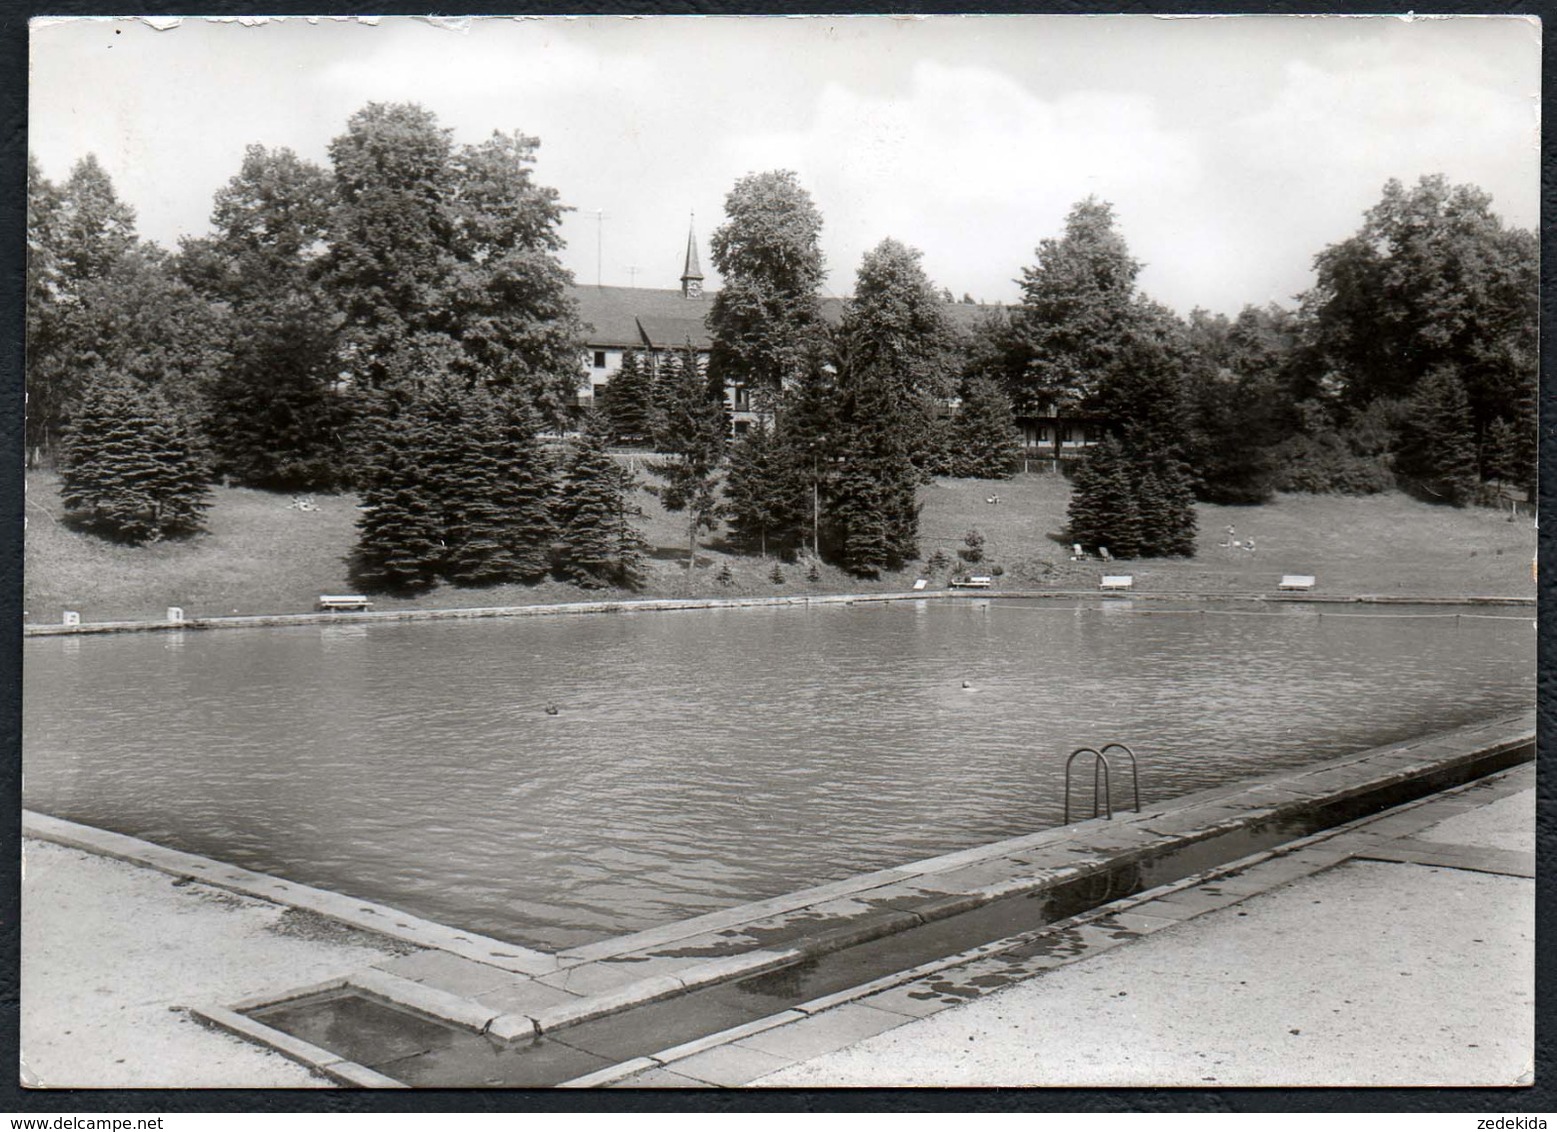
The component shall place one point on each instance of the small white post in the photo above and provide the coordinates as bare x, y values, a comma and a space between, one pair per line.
175, 615
72, 617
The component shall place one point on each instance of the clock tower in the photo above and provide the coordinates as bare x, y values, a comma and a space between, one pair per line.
691, 273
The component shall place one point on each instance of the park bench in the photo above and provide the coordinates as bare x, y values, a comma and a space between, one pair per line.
977, 582
337, 603
1116, 581
1297, 582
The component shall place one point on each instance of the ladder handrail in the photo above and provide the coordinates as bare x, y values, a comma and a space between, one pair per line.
1135, 770
1099, 767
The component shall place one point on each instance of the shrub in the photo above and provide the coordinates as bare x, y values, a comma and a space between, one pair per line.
1324, 465
972, 550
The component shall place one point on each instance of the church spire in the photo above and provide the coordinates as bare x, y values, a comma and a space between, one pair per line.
692, 274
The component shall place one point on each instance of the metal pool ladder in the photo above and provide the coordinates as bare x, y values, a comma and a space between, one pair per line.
1100, 767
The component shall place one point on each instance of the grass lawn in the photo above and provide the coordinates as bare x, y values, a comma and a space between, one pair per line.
262, 556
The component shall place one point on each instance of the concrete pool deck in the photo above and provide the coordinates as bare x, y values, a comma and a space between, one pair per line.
510, 995
668, 605
1408, 962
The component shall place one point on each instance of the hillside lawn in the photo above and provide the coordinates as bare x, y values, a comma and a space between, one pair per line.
262, 556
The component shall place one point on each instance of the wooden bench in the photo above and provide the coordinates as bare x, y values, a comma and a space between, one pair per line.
338, 603
1116, 581
978, 582
1296, 582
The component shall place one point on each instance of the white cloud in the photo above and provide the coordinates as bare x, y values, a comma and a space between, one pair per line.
480, 58
1391, 118
970, 167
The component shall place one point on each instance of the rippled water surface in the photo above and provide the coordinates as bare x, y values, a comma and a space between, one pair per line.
699, 760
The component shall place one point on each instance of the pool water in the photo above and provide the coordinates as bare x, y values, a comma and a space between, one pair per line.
703, 759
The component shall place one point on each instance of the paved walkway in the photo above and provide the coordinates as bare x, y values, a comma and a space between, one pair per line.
1395, 951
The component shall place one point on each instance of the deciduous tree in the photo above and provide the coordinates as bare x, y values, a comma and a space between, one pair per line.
1077, 305
896, 325
1433, 278
276, 420
766, 316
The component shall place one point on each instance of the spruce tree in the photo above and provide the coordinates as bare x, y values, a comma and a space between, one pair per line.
400, 539
873, 505
1508, 455
811, 440
1179, 498
1437, 451
862, 514
475, 518
694, 435
1103, 511
628, 402
132, 468
763, 507
1156, 517
528, 485
984, 438
599, 544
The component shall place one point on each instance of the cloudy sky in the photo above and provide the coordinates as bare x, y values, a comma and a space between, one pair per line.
1233, 149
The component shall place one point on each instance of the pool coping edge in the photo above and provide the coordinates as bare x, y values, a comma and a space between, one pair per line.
666, 605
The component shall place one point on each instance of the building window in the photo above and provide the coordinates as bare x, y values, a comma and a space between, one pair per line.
1043, 435
600, 359
1067, 435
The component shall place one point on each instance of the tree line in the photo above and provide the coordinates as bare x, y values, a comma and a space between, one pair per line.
399, 324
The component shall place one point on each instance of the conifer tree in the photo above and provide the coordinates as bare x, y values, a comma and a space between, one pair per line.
1508, 455
763, 508
599, 544
873, 505
1103, 509
984, 440
527, 487
455, 487
629, 402
475, 520
1178, 491
1156, 517
694, 435
811, 440
132, 468
400, 541
862, 515
1437, 451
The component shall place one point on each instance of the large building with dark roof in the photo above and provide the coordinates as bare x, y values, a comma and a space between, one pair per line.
658, 321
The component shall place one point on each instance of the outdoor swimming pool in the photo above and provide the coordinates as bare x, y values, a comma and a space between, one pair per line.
699, 760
